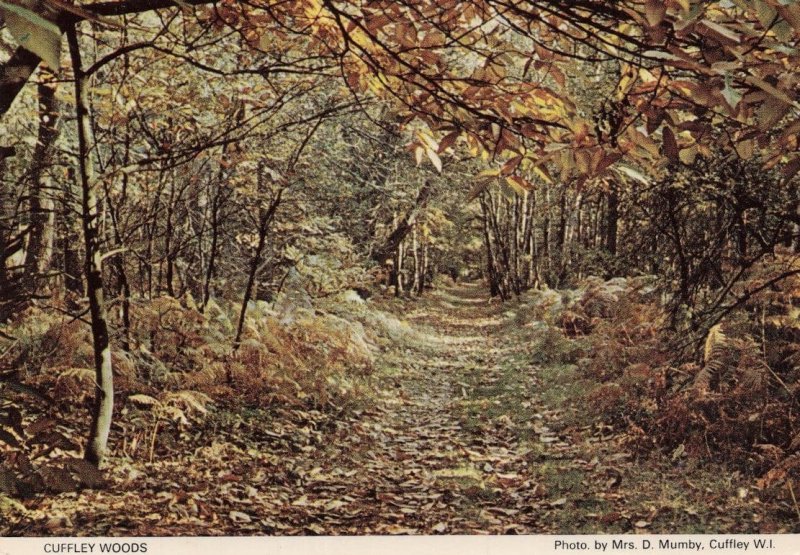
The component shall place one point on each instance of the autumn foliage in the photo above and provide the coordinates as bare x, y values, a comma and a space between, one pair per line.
210, 210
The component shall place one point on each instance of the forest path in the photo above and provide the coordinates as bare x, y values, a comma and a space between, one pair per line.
472, 435
469, 431
427, 466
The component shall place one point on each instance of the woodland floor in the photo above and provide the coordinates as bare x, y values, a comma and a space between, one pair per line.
466, 435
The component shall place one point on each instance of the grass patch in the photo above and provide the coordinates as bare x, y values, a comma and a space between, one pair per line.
500, 394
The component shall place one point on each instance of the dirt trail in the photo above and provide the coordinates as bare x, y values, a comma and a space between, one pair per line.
421, 469
462, 441
458, 440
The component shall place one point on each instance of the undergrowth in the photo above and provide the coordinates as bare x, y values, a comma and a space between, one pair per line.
727, 394
179, 370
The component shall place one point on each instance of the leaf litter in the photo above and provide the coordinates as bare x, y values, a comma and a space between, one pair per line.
455, 441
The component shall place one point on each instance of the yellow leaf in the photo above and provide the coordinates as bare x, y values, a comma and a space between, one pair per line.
493, 172
427, 140
684, 4
688, 155
542, 174
434, 158
746, 149
519, 184
418, 153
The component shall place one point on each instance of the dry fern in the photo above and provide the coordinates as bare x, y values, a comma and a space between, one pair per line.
708, 378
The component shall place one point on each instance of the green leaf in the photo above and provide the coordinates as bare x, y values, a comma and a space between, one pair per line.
766, 13
29, 15
33, 32
630, 172
731, 95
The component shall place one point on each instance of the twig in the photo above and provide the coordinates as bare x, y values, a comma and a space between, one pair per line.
794, 499
8, 350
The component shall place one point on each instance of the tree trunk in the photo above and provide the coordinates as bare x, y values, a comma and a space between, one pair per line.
399, 286
104, 385
546, 237
403, 226
169, 274
612, 220
9, 244
495, 288
42, 215
415, 287
423, 275
211, 268
264, 219
70, 239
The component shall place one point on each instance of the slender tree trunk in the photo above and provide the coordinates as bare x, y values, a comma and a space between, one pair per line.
546, 236
414, 287
562, 221
42, 220
169, 274
123, 284
104, 386
123, 288
423, 276
152, 231
529, 239
514, 234
71, 238
495, 288
502, 256
264, 219
612, 219
211, 268
399, 263
796, 230
7, 247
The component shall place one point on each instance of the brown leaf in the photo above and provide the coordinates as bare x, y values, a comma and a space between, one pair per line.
671, 150
789, 171
88, 474
40, 425
654, 12
13, 418
58, 479
448, 141
8, 438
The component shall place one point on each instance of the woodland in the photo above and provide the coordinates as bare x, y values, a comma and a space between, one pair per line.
320, 267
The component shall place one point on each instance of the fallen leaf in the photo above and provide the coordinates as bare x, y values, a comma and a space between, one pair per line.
240, 517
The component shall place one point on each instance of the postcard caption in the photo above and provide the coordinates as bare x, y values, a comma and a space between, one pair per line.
611, 545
